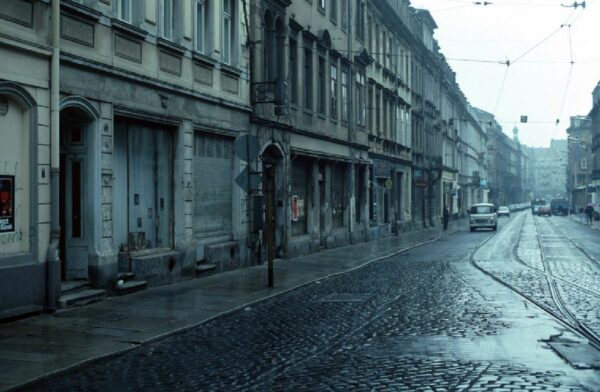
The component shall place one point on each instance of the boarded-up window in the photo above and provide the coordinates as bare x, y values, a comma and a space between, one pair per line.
143, 187
213, 169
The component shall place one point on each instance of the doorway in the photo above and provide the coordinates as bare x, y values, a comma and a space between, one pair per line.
76, 181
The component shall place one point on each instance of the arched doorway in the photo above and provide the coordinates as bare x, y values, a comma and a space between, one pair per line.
77, 186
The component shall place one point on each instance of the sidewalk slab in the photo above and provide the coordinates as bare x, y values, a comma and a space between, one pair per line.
47, 344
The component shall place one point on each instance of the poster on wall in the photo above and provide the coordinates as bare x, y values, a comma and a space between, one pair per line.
295, 208
7, 204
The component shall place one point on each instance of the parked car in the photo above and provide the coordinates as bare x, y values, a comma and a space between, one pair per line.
503, 211
544, 210
559, 206
483, 216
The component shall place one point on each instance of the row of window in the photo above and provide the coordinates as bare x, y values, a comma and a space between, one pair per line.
332, 84
331, 6
172, 12
386, 50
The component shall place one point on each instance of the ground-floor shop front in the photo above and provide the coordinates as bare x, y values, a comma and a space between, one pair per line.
389, 196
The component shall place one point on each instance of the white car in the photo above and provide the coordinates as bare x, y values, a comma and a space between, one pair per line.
483, 216
503, 211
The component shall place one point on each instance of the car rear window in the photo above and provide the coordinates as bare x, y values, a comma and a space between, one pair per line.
480, 210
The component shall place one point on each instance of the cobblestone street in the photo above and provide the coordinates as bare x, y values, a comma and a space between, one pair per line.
423, 320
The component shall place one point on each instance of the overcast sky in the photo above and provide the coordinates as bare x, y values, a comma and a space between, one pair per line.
536, 83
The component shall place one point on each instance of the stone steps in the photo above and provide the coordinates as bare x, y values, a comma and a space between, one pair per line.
130, 286
126, 283
204, 269
79, 297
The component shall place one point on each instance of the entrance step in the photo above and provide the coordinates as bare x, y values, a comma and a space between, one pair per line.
80, 297
130, 286
125, 276
72, 285
204, 269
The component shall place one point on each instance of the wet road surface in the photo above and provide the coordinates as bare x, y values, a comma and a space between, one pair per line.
427, 319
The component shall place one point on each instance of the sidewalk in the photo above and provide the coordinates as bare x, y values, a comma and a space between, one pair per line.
47, 344
581, 218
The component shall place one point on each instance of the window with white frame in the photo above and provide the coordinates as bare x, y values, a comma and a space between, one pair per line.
228, 28
124, 10
168, 12
344, 95
333, 91
361, 105
322, 4
201, 27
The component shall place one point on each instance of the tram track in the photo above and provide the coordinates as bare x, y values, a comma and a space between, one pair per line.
562, 314
544, 271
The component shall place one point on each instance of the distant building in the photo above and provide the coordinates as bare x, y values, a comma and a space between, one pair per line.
550, 170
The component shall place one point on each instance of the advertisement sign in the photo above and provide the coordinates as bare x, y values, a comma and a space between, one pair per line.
7, 204
295, 208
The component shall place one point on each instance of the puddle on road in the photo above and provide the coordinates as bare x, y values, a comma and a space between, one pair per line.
526, 346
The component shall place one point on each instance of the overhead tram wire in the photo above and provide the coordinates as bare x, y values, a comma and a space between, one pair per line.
501, 88
564, 98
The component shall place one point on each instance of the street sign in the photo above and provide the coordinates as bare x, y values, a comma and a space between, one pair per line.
246, 147
248, 181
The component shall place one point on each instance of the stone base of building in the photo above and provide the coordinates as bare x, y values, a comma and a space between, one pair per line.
23, 289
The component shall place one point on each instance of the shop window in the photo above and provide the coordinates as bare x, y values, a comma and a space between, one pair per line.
213, 167
299, 196
14, 178
338, 195
360, 192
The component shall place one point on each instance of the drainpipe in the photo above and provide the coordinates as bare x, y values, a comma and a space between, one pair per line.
53, 257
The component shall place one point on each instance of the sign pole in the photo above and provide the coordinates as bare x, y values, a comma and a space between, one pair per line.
270, 250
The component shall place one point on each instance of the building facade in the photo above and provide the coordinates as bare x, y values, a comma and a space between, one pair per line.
155, 138
594, 115
580, 162
550, 170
